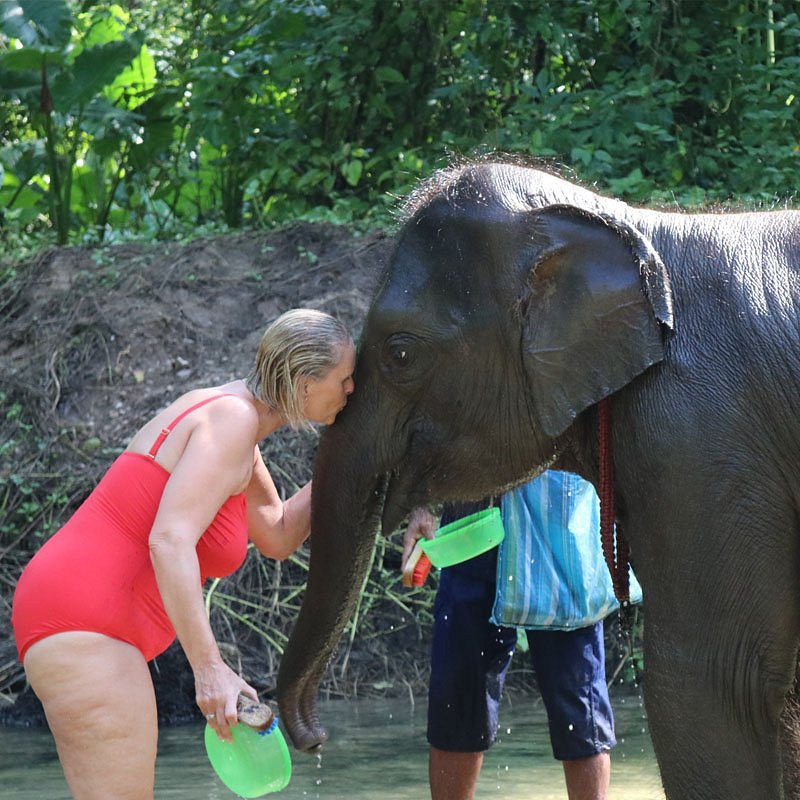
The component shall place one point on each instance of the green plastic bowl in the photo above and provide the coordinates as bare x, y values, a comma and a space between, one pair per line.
465, 538
254, 763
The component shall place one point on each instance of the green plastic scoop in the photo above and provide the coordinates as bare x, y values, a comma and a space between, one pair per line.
254, 763
465, 538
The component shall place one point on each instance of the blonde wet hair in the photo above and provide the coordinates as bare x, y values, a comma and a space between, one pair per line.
301, 343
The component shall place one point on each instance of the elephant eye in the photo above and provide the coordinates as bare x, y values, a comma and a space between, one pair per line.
398, 352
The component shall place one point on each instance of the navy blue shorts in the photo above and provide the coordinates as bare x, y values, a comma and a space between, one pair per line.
470, 658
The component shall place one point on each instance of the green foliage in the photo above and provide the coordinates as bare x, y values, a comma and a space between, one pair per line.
75, 82
173, 116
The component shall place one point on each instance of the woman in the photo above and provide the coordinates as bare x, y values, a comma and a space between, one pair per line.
113, 587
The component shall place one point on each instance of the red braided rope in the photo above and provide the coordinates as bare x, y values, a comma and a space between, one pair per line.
622, 589
617, 563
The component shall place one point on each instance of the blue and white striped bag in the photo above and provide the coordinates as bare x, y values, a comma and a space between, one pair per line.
551, 573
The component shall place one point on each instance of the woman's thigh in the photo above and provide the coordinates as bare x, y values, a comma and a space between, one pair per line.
100, 705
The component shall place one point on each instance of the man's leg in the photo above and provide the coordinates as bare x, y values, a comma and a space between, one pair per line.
570, 670
453, 776
469, 659
588, 778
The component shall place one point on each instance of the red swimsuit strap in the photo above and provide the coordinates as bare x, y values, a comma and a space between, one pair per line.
166, 431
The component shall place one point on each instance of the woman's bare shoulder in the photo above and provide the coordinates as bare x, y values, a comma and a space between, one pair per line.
224, 405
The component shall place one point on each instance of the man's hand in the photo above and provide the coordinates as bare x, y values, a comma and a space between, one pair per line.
421, 524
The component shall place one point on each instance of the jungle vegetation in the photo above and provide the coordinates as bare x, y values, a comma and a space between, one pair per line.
158, 117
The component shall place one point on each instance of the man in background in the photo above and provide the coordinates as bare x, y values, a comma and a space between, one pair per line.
469, 660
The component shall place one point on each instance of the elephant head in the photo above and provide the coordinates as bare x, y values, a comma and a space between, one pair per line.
513, 302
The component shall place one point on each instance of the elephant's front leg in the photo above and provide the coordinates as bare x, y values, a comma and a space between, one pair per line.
713, 707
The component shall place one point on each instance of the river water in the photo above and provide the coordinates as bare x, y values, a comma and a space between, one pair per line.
377, 748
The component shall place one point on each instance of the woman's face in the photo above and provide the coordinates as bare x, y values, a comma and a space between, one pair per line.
325, 397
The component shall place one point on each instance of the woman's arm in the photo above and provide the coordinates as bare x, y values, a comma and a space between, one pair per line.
213, 466
276, 527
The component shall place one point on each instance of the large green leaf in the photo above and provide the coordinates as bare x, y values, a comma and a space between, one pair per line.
93, 70
389, 75
29, 202
19, 83
28, 58
136, 81
25, 159
107, 26
36, 23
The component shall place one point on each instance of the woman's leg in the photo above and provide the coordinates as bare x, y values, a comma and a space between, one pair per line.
99, 701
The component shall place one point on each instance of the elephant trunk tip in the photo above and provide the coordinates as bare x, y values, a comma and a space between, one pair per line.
307, 739
300, 720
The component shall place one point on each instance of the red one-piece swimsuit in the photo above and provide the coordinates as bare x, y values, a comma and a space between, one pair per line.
95, 573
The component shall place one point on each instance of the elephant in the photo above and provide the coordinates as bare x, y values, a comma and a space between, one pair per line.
514, 305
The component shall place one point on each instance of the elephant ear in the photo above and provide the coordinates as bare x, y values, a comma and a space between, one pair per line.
595, 314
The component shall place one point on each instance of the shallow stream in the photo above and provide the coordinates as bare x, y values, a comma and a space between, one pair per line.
377, 748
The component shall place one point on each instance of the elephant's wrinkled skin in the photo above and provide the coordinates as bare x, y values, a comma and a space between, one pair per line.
514, 302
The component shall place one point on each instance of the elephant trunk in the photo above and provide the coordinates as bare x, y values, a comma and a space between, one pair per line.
345, 519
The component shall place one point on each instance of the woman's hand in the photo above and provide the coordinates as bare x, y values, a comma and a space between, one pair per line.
217, 689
